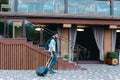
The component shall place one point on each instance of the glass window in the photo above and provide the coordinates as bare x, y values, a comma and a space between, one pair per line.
46, 6
91, 7
117, 8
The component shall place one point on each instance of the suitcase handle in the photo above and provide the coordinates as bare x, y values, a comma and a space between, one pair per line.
49, 62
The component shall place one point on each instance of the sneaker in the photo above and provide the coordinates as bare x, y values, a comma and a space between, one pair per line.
51, 72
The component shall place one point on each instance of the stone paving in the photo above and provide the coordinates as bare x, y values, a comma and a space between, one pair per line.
86, 72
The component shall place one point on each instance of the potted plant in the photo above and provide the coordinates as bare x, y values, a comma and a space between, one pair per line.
67, 57
112, 58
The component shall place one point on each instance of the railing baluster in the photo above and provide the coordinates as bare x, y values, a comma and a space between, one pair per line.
14, 55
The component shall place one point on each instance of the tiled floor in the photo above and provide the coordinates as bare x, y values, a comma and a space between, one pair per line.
86, 72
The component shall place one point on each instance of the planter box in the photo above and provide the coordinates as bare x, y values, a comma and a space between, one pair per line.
112, 61
112, 58
115, 61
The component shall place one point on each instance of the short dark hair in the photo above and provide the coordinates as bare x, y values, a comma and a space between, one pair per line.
55, 32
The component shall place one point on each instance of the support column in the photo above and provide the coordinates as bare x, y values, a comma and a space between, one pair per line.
64, 41
107, 41
5, 21
70, 45
24, 29
66, 6
112, 7
41, 37
58, 41
13, 31
7, 31
15, 5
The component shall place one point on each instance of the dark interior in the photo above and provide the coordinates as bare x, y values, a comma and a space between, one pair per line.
87, 40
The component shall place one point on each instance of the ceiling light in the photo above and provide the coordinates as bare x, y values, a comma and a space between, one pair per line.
80, 26
38, 29
117, 30
80, 29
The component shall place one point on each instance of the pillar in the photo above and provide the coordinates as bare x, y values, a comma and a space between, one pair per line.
59, 41
41, 37
107, 41
66, 6
24, 29
5, 25
65, 45
64, 41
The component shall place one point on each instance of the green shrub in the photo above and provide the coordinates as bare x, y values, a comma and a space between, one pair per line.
112, 55
67, 56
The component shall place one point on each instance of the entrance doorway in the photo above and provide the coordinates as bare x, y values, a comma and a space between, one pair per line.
18, 32
86, 39
118, 41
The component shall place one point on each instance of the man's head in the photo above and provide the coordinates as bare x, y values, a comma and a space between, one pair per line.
55, 34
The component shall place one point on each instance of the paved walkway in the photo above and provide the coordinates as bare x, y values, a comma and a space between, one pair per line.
86, 72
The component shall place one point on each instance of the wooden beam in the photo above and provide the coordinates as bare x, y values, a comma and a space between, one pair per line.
67, 20
71, 21
75, 21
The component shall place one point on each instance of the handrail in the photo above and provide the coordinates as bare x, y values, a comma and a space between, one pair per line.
63, 38
78, 46
20, 54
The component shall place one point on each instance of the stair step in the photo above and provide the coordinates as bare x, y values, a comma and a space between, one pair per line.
63, 64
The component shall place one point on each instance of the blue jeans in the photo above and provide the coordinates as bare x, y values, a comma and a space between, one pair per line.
53, 61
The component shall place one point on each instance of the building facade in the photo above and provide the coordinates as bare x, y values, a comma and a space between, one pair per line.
87, 28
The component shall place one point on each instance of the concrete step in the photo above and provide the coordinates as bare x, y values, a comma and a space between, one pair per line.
64, 64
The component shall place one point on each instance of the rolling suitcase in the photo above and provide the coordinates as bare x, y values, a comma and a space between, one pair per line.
43, 70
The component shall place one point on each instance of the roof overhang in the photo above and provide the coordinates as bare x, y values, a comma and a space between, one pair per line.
62, 18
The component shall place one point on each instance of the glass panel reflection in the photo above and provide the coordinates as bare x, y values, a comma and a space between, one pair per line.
116, 8
91, 7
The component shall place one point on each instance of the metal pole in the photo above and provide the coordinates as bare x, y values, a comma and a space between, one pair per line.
70, 46
112, 7
58, 41
77, 55
15, 5
41, 37
7, 31
66, 6
13, 30
4, 26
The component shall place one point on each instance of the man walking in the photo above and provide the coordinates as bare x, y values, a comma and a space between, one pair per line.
52, 50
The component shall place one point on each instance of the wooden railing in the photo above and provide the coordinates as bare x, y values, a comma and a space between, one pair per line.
19, 54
